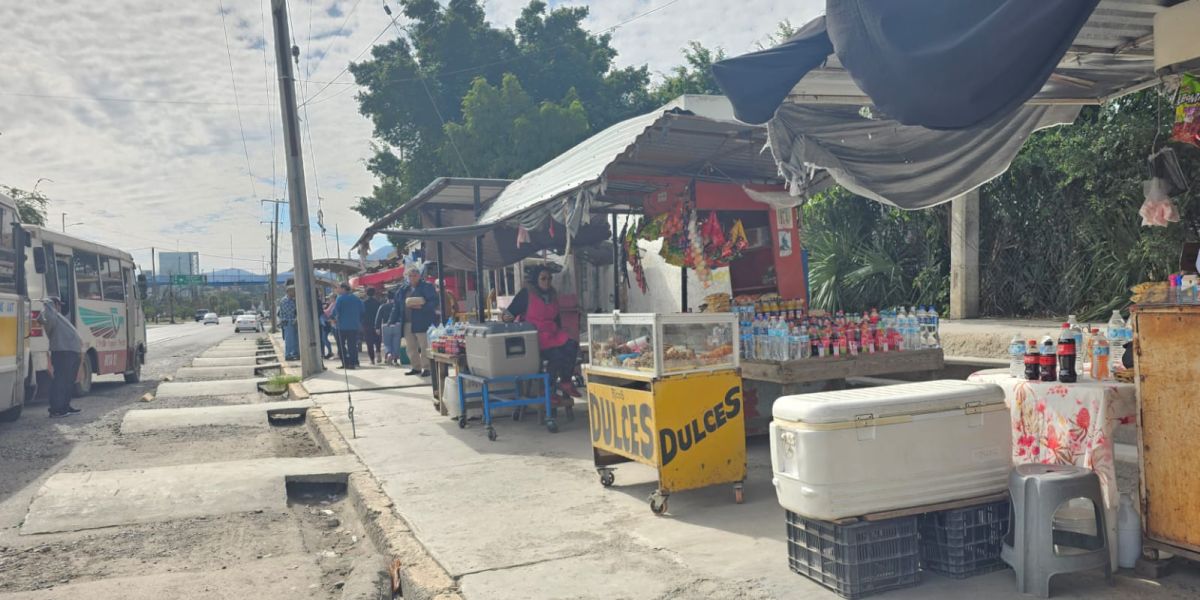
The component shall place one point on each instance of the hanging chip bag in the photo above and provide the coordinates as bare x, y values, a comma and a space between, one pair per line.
1187, 111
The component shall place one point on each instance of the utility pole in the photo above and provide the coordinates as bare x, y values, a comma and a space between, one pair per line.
154, 283
272, 299
337, 238
64, 222
310, 355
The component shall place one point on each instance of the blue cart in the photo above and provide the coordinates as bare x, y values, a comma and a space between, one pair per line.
501, 392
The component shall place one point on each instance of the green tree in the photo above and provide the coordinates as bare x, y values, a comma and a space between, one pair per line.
31, 205
694, 76
414, 87
505, 133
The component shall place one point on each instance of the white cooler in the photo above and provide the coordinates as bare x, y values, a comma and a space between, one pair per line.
855, 452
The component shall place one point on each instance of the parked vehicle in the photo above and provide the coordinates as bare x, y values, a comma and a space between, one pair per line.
16, 382
100, 295
247, 323
210, 319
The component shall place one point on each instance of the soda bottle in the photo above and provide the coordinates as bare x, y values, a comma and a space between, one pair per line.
1047, 362
1032, 361
1016, 357
1100, 357
1066, 355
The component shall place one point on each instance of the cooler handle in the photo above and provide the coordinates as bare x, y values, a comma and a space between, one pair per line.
514, 346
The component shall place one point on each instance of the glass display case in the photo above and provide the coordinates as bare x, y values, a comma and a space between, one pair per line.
657, 345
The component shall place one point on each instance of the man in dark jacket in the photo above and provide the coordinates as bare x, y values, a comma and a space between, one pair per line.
369, 335
415, 309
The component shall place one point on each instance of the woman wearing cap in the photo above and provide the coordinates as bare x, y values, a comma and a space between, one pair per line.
537, 304
415, 310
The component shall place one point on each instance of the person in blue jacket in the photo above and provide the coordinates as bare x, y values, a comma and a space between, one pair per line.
347, 314
415, 310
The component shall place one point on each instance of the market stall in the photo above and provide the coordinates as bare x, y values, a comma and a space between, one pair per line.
664, 391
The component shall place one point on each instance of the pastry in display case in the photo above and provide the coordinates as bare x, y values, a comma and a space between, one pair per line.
658, 345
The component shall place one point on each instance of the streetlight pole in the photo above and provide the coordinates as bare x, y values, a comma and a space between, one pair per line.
310, 356
272, 298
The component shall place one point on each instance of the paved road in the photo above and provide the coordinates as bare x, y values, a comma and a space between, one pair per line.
32, 447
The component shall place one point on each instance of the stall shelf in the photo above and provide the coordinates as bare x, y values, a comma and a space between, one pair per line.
441, 366
1167, 376
664, 391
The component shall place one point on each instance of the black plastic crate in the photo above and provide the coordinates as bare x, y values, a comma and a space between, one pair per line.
858, 559
963, 542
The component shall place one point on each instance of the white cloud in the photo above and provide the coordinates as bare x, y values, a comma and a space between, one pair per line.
141, 174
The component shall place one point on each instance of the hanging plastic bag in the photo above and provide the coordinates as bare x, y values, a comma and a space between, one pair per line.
1158, 209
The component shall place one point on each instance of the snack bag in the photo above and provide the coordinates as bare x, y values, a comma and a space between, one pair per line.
1187, 111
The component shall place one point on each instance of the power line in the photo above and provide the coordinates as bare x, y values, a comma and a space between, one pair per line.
312, 155
370, 45
335, 34
241, 129
267, 85
117, 99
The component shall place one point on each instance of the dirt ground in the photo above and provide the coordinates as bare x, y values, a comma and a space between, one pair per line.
316, 548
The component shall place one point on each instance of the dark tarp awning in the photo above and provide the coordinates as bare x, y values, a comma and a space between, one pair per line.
902, 165
949, 64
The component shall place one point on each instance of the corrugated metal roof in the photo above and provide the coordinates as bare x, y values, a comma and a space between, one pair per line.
1112, 55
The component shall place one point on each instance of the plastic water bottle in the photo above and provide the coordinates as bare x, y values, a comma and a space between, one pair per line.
1129, 533
805, 343
1016, 357
782, 339
1116, 340
935, 327
922, 323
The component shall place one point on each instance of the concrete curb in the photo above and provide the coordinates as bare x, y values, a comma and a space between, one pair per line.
420, 576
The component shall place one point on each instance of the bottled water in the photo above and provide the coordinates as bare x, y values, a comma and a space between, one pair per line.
805, 345
935, 324
1016, 357
1116, 340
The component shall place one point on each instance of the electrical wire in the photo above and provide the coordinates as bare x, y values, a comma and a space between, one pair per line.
267, 86
348, 63
236, 103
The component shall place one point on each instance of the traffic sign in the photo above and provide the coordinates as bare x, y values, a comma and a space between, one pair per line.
189, 279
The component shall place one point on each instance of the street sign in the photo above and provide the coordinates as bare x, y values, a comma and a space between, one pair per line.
189, 279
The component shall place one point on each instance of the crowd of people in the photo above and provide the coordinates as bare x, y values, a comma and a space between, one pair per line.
350, 321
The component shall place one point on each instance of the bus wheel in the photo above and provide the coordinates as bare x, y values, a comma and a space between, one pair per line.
135, 375
84, 386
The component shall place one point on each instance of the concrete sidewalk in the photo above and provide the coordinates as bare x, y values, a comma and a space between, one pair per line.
526, 516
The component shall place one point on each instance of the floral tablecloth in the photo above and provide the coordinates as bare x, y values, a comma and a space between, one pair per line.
1068, 424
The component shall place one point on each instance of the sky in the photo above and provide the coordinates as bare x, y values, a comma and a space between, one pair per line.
156, 127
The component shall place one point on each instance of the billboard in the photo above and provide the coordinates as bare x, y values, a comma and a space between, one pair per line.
178, 263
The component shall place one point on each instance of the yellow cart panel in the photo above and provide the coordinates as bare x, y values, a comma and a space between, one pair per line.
689, 428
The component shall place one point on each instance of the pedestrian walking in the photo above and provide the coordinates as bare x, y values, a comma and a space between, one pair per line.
347, 313
65, 345
369, 334
287, 321
415, 309
323, 310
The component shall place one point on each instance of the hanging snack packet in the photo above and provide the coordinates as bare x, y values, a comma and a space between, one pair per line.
1187, 111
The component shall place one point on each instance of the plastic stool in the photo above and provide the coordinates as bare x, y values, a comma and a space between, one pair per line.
1030, 547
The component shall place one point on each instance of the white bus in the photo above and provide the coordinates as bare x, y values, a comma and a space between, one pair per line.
15, 385
100, 295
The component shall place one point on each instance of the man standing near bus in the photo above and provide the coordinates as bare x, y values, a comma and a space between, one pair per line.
65, 345
287, 320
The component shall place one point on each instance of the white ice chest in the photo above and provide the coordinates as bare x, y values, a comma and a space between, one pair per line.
855, 452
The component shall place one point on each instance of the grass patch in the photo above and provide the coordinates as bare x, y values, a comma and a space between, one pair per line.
280, 381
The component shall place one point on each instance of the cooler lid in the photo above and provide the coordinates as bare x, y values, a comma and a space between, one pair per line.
498, 328
886, 401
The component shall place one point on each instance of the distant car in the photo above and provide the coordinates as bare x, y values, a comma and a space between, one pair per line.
200, 314
247, 323
210, 318
233, 316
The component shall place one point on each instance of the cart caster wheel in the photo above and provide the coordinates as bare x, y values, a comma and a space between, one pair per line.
517, 414
607, 478
552, 426
492, 434
739, 495
462, 422
658, 504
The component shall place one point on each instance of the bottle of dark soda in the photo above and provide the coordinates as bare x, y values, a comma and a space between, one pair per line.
1031, 361
1047, 360
1066, 355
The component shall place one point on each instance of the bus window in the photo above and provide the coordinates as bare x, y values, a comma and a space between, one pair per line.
8, 252
51, 271
87, 276
110, 278
66, 290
